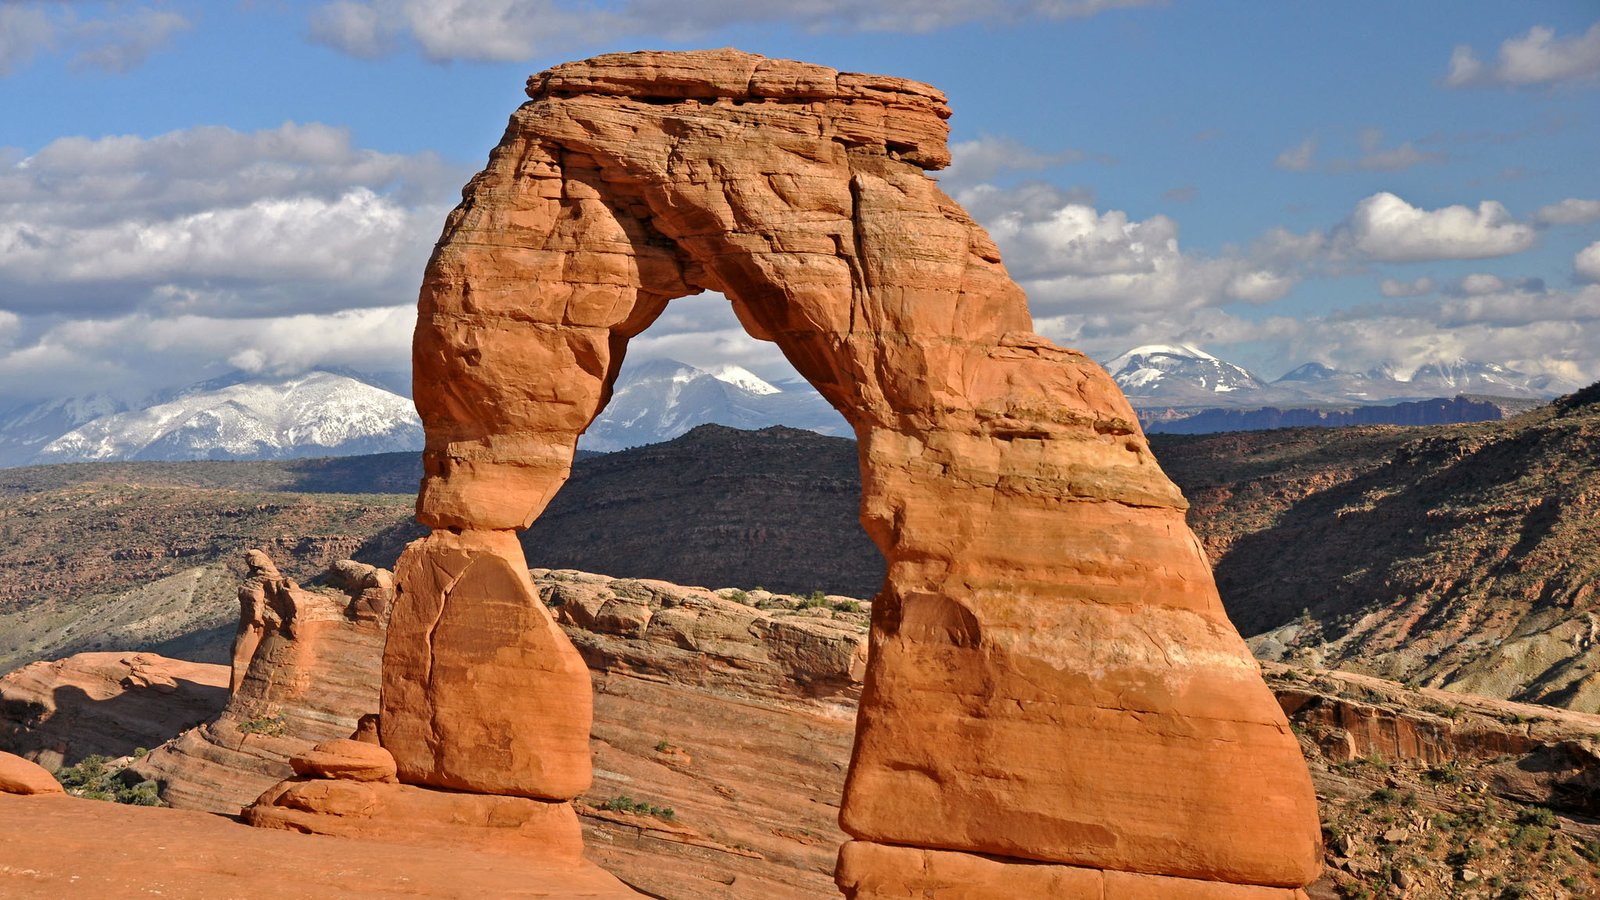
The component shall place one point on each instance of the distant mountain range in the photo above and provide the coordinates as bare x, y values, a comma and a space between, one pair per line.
1179, 387
658, 399
1173, 387
237, 417
338, 413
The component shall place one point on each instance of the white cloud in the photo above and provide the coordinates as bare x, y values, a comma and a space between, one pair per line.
111, 40
357, 247
1417, 288
1072, 258
1587, 262
123, 44
132, 355
214, 221
1299, 158
1536, 58
1479, 283
1259, 286
1104, 281
1571, 211
507, 30
24, 32
131, 263
982, 159
1386, 228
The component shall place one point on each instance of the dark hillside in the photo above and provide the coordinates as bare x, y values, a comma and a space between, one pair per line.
1465, 556
718, 507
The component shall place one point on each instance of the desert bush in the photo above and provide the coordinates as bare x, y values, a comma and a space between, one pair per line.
93, 778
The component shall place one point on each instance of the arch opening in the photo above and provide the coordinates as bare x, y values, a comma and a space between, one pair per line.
1048, 633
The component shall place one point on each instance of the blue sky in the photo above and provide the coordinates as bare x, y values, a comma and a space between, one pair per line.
187, 188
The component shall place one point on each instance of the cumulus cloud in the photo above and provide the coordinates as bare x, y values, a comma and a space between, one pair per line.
1385, 227
1534, 59
1390, 287
1480, 283
135, 263
1571, 211
93, 35
214, 221
1587, 262
1072, 257
130, 356
1104, 281
506, 30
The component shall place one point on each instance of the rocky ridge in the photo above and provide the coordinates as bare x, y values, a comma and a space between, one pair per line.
709, 787
1460, 557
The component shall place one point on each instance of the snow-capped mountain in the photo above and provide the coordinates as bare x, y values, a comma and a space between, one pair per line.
316, 414
1167, 380
1390, 383
1179, 373
657, 400
24, 430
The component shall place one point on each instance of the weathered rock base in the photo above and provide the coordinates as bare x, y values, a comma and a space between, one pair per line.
482, 691
870, 871
404, 813
21, 776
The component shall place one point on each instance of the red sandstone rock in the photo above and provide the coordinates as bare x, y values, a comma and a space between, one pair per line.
306, 669
481, 689
20, 776
62, 847
106, 704
698, 637
401, 813
344, 758
878, 872
1049, 633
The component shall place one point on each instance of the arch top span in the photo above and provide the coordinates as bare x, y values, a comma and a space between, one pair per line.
1049, 633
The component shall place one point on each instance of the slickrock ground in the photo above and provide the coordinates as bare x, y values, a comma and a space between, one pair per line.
63, 848
1454, 796
104, 704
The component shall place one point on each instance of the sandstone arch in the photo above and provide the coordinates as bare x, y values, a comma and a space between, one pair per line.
1052, 679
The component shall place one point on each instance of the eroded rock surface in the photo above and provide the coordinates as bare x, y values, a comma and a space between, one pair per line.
757, 644
62, 847
106, 704
1049, 633
25, 777
305, 669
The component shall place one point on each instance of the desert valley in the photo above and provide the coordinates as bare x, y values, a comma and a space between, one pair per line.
783, 487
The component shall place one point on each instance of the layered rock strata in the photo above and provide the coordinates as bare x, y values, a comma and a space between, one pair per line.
1049, 632
791, 649
105, 704
306, 668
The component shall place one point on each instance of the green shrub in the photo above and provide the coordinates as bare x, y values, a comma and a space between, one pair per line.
272, 725
624, 803
94, 779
